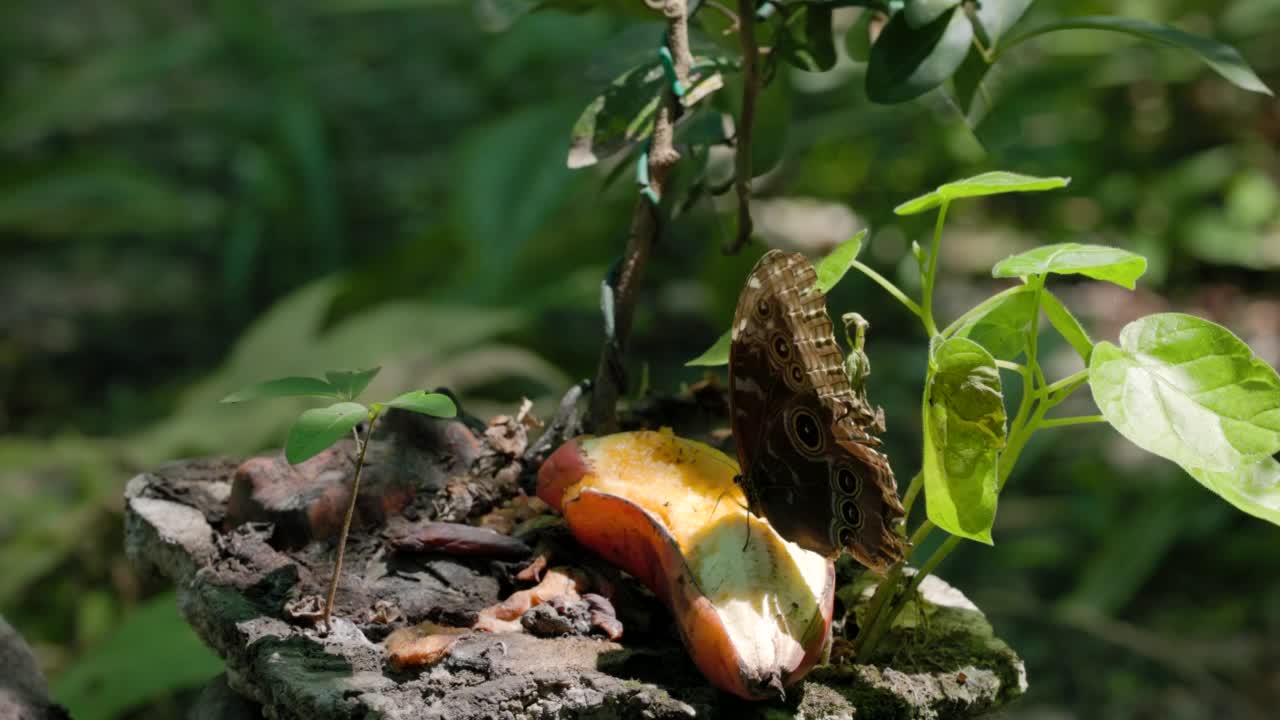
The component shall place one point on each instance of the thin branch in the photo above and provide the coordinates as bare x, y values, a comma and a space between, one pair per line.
1074, 420
645, 226
746, 122
889, 287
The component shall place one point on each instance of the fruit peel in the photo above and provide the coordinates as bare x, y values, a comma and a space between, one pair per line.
754, 611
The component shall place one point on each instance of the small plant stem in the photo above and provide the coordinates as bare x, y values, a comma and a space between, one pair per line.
746, 121
889, 288
1066, 421
1066, 385
884, 593
1015, 367
918, 537
932, 271
363, 445
913, 491
980, 309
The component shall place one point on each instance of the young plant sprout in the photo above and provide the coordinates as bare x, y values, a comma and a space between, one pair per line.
318, 428
1177, 386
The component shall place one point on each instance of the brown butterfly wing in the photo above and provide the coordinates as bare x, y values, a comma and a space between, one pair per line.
809, 464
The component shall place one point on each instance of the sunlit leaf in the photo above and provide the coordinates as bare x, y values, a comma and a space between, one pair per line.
619, 116
1003, 326
906, 62
284, 387
1096, 261
717, 354
350, 383
1224, 59
1067, 325
1190, 391
1254, 488
832, 268
318, 428
420, 401
989, 183
964, 433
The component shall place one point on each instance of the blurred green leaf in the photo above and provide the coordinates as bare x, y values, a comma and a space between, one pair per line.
349, 383
989, 183
318, 428
717, 354
1189, 391
153, 652
805, 39
1004, 326
964, 433
922, 12
1066, 324
1224, 59
420, 401
284, 387
832, 268
1096, 261
907, 62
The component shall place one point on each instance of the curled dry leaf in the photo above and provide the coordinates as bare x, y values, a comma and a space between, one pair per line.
505, 616
421, 645
753, 610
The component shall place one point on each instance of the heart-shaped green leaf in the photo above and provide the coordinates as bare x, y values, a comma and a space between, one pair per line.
1224, 59
832, 268
348, 383
1067, 325
805, 39
717, 354
989, 183
907, 62
284, 387
1253, 488
922, 12
964, 428
319, 428
1096, 261
420, 401
1003, 326
1190, 391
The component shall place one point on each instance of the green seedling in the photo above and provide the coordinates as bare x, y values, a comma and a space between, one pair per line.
1176, 385
319, 428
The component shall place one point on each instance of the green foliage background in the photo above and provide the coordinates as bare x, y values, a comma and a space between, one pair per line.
196, 196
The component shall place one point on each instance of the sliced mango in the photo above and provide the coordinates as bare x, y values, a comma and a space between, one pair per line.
753, 610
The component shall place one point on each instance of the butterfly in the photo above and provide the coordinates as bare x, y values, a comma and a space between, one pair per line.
805, 442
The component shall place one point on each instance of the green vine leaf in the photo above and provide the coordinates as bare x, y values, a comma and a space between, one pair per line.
964, 433
419, 401
1067, 325
1189, 391
1254, 488
832, 268
1005, 326
350, 384
318, 428
284, 387
717, 354
989, 183
1099, 262
619, 116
